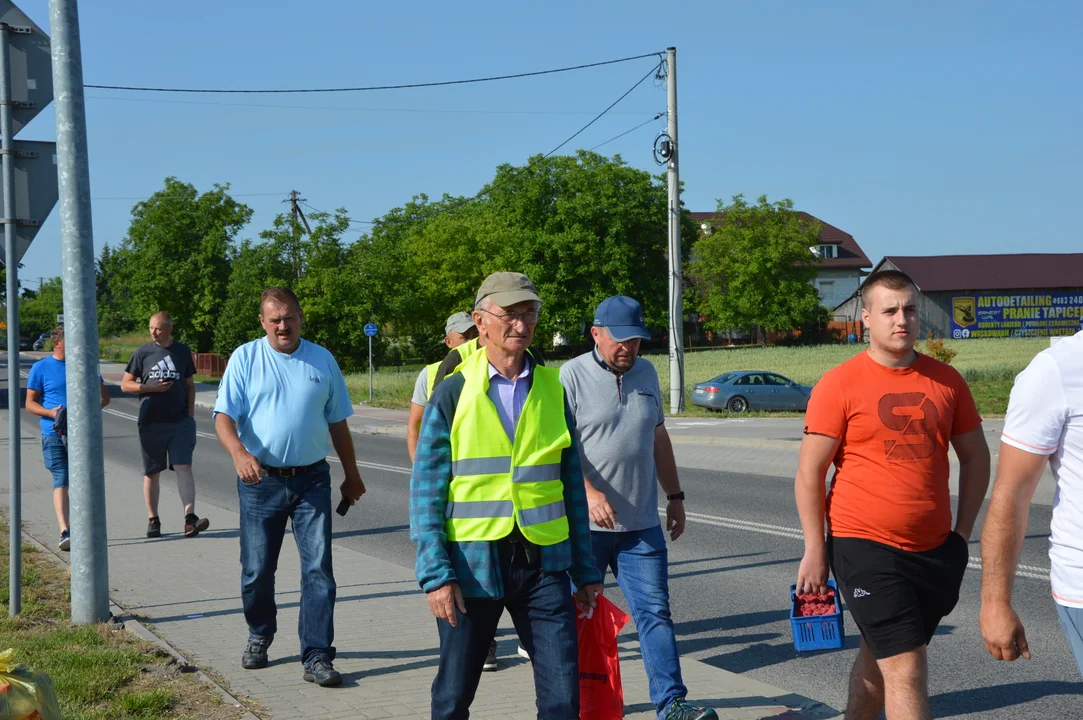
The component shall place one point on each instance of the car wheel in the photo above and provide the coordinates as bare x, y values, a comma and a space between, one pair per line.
737, 405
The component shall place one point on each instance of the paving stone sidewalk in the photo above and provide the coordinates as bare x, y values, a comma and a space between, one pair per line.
187, 591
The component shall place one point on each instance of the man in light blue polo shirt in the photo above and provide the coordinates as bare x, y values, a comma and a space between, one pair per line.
278, 399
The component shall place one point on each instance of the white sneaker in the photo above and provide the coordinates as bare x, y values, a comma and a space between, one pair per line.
523, 652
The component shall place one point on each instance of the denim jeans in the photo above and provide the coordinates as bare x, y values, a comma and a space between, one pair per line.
55, 454
265, 506
540, 604
1071, 621
640, 562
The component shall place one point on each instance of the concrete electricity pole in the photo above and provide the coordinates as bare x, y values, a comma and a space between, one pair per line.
89, 551
676, 302
295, 211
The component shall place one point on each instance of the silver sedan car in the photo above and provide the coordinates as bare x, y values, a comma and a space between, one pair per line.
746, 390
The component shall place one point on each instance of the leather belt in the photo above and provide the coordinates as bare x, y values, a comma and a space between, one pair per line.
288, 472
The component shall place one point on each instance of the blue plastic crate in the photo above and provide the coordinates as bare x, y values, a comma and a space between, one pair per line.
821, 632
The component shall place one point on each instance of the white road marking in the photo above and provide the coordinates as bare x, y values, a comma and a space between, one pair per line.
212, 436
1027, 571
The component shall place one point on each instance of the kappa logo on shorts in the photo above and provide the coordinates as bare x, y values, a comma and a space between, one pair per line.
916, 418
314, 378
860, 593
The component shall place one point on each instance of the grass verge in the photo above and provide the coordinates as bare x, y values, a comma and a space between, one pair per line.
99, 673
120, 349
990, 366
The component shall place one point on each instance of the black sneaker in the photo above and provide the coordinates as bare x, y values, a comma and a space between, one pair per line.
65, 541
490, 659
680, 710
321, 672
255, 655
154, 528
194, 525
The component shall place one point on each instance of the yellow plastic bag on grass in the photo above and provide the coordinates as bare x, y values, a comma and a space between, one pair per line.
25, 694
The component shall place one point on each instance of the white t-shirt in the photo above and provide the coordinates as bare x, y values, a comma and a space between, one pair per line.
1045, 417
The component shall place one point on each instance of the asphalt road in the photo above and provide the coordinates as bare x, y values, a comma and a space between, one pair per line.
729, 580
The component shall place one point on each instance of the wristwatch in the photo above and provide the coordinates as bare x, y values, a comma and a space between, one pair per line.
676, 496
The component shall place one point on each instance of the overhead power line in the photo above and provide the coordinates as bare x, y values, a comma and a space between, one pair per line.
598, 117
632, 130
352, 222
407, 86
342, 108
466, 201
157, 196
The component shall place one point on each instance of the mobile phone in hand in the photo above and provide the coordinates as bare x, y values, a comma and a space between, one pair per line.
343, 506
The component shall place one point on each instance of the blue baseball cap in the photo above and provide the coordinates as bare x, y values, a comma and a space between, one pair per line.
622, 317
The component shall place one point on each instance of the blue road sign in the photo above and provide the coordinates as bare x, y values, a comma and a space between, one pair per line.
370, 329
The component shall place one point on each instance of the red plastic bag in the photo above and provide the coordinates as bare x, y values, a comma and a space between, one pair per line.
601, 696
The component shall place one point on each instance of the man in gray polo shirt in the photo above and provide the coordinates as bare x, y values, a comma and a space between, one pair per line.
626, 454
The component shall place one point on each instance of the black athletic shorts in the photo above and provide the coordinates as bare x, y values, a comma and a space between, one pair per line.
167, 444
897, 598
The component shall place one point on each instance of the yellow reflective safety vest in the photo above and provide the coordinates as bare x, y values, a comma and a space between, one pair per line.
465, 350
497, 484
432, 369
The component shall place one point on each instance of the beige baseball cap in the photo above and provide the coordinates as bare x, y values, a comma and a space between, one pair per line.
506, 289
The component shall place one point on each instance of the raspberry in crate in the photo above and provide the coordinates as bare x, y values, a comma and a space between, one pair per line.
811, 604
816, 620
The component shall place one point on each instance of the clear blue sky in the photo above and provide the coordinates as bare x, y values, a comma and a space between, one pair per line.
920, 128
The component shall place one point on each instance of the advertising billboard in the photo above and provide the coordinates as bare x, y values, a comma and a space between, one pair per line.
998, 315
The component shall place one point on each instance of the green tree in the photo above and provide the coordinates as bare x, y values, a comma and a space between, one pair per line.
114, 294
255, 266
177, 256
4, 282
37, 314
414, 268
581, 227
755, 267
329, 295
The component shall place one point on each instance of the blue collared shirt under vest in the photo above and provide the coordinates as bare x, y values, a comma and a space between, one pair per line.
475, 566
282, 404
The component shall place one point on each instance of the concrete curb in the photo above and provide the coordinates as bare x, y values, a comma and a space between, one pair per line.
398, 431
128, 622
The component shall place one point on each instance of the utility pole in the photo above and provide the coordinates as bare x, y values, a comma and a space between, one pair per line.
7, 165
296, 211
676, 302
89, 551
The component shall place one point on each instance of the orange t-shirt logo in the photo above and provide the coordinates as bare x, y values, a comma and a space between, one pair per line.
914, 416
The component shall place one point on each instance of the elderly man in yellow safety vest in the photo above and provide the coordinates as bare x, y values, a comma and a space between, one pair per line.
498, 509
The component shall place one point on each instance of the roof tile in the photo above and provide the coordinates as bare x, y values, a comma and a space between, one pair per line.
1019, 271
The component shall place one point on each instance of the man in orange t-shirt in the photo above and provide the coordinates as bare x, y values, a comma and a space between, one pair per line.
885, 419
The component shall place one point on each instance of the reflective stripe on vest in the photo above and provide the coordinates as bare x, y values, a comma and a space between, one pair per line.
496, 484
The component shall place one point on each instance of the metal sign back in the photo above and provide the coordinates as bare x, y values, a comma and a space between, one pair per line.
31, 66
36, 191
